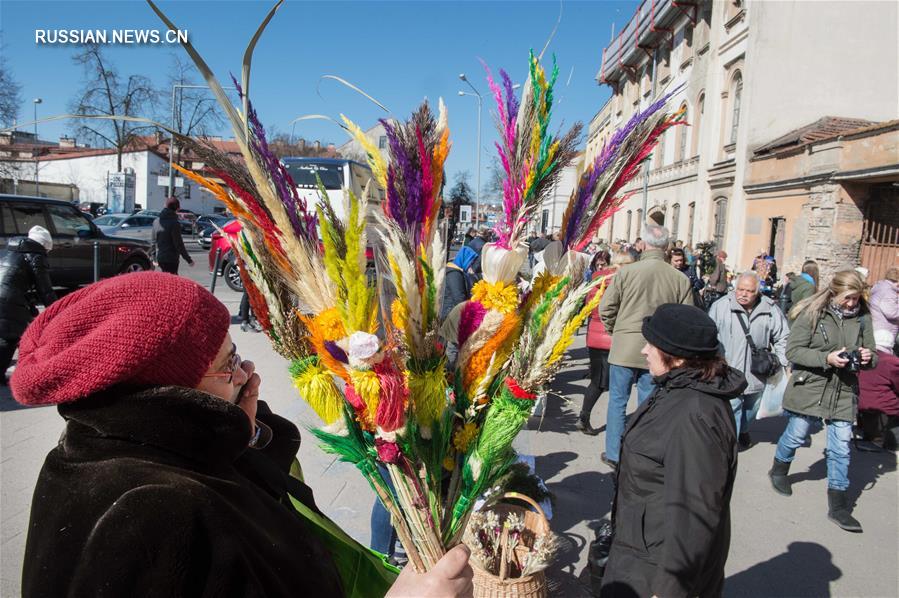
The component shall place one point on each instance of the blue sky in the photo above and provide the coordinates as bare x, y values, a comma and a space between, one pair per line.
399, 52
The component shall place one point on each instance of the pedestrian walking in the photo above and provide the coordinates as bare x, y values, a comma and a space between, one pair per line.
599, 342
24, 275
671, 512
635, 293
830, 341
172, 477
677, 257
749, 322
885, 303
167, 238
802, 286
457, 285
717, 283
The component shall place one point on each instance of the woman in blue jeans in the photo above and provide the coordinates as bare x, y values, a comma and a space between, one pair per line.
831, 339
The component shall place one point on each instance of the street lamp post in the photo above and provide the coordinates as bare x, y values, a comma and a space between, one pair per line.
37, 153
172, 143
476, 94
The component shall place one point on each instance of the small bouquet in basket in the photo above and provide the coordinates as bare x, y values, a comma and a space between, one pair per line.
368, 356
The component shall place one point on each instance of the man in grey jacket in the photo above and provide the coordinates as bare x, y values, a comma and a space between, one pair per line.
768, 328
635, 293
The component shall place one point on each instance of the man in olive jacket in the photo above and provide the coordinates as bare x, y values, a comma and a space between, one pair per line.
636, 291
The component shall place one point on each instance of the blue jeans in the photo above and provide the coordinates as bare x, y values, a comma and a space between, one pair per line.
839, 433
383, 536
621, 381
745, 408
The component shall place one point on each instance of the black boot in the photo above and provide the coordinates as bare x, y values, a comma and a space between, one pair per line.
779, 480
839, 512
583, 425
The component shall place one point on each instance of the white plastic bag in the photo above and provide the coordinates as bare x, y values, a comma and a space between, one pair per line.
773, 396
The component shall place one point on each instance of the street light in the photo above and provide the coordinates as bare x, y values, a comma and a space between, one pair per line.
37, 153
172, 143
476, 94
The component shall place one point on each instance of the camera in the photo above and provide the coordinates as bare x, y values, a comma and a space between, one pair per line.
855, 360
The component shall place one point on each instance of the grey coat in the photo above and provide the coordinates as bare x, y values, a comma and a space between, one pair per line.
816, 388
768, 328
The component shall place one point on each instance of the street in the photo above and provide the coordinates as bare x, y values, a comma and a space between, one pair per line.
779, 547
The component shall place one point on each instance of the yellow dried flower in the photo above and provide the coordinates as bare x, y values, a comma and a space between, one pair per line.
330, 324
399, 314
500, 296
449, 463
464, 436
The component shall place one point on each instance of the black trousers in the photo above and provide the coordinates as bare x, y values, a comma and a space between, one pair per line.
599, 380
171, 268
244, 313
7, 350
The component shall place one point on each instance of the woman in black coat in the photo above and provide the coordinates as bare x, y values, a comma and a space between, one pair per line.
671, 513
24, 276
172, 478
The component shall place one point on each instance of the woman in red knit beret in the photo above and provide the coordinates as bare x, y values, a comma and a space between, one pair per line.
171, 478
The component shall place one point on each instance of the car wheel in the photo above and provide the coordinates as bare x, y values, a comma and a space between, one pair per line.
134, 264
232, 277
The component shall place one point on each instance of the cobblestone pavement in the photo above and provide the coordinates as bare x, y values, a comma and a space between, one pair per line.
780, 546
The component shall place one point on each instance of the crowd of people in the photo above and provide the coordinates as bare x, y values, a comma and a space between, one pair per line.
170, 428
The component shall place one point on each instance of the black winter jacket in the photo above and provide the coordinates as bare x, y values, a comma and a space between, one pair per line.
456, 289
155, 493
167, 236
23, 273
672, 507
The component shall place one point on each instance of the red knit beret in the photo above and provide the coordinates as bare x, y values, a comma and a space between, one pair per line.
146, 328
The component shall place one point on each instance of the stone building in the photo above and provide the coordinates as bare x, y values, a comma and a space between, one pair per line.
745, 72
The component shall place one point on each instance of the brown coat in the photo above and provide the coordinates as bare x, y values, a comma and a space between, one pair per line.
636, 291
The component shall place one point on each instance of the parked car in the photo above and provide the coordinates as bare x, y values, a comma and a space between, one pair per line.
133, 226
72, 259
206, 226
188, 221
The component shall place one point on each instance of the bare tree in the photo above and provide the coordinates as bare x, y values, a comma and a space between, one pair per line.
10, 94
196, 111
107, 93
493, 186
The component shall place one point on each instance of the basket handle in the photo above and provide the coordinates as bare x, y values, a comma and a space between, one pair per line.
529, 500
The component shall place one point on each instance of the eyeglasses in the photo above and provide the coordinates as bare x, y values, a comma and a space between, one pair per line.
233, 366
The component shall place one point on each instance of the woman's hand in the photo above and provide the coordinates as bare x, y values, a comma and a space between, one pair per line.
451, 577
866, 355
834, 359
248, 394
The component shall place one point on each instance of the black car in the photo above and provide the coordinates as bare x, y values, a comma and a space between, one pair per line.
74, 235
208, 224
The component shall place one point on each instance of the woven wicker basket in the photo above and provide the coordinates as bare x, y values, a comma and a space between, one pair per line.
488, 585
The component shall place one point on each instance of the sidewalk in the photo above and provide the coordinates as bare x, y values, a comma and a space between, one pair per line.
780, 546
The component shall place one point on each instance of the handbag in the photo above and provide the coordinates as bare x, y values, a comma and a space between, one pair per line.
771, 401
763, 362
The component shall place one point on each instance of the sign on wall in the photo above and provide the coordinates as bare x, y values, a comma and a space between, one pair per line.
464, 214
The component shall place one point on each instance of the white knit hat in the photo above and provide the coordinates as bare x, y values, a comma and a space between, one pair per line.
42, 236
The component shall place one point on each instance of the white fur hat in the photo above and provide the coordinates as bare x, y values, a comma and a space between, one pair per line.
42, 236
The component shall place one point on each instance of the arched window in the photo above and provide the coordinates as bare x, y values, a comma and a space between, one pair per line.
697, 123
675, 220
735, 112
660, 151
720, 221
691, 217
682, 136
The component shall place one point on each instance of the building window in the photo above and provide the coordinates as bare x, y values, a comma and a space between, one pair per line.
629, 230
682, 136
735, 114
697, 123
382, 142
691, 215
675, 220
687, 46
720, 221
640, 222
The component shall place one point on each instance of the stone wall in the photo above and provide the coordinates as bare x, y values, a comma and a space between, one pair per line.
834, 219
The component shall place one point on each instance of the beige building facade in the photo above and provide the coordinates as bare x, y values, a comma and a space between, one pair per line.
745, 72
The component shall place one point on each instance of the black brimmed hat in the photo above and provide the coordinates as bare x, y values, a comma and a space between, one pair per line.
682, 331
